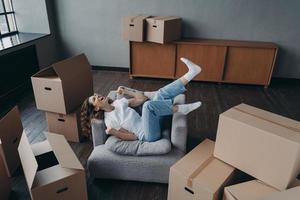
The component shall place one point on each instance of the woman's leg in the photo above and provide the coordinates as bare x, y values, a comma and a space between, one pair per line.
178, 86
152, 113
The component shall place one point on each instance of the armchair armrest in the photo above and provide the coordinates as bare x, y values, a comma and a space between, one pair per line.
179, 126
98, 132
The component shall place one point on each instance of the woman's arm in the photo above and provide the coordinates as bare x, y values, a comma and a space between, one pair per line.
123, 134
138, 98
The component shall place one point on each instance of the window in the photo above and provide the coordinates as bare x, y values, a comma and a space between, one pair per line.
7, 18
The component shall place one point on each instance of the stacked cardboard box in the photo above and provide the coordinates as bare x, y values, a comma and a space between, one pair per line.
199, 175
259, 143
60, 90
161, 29
10, 133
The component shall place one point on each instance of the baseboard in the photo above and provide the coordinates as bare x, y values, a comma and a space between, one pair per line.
107, 68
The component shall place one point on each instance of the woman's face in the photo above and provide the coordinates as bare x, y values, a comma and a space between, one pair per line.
99, 102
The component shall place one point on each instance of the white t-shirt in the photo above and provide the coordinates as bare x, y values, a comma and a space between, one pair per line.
124, 117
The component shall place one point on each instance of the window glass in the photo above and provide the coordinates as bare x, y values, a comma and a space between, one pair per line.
3, 25
11, 22
1, 7
8, 6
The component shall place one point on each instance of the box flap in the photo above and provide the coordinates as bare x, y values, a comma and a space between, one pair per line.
63, 152
214, 175
73, 67
47, 72
77, 80
28, 160
41, 148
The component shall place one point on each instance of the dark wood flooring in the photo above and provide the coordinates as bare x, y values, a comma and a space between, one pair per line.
282, 97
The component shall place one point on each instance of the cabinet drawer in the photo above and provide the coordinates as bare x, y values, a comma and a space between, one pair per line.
249, 65
210, 58
152, 60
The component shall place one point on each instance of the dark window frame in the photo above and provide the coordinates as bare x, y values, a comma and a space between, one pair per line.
6, 13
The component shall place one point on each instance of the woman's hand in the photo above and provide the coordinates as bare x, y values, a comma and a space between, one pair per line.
121, 90
110, 131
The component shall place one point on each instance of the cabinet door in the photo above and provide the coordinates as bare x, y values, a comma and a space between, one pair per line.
152, 60
249, 65
210, 58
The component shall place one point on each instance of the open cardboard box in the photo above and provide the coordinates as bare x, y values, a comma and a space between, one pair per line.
260, 143
63, 86
4, 181
163, 29
134, 27
198, 175
10, 134
252, 190
67, 125
52, 170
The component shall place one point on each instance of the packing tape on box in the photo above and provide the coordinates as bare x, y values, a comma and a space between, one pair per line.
288, 127
197, 171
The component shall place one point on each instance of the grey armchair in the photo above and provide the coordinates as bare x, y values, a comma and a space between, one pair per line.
106, 164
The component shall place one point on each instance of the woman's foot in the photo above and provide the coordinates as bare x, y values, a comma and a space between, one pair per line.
194, 69
187, 108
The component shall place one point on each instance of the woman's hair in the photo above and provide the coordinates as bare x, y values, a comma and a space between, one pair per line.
88, 113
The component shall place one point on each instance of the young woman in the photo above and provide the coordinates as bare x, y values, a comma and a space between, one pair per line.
125, 123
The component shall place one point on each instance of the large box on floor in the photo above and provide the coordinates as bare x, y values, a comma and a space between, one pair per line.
134, 28
199, 175
63, 86
251, 190
10, 134
52, 170
163, 29
67, 125
260, 143
4, 181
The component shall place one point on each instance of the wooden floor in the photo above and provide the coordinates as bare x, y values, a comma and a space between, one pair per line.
282, 97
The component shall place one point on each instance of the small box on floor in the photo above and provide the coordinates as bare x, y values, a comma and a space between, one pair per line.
63, 86
251, 190
163, 29
134, 28
290, 194
260, 143
5, 187
52, 170
10, 134
67, 125
198, 175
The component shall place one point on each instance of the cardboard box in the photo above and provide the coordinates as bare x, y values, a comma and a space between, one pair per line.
251, 190
290, 194
10, 134
4, 181
67, 125
134, 28
52, 170
62, 87
260, 143
163, 29
199, 175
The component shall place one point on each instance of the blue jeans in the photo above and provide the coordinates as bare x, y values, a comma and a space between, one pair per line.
160, 106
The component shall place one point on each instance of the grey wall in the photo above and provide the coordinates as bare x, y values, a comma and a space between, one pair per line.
94, 26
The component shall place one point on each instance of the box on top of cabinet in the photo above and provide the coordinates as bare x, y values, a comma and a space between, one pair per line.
163, 29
